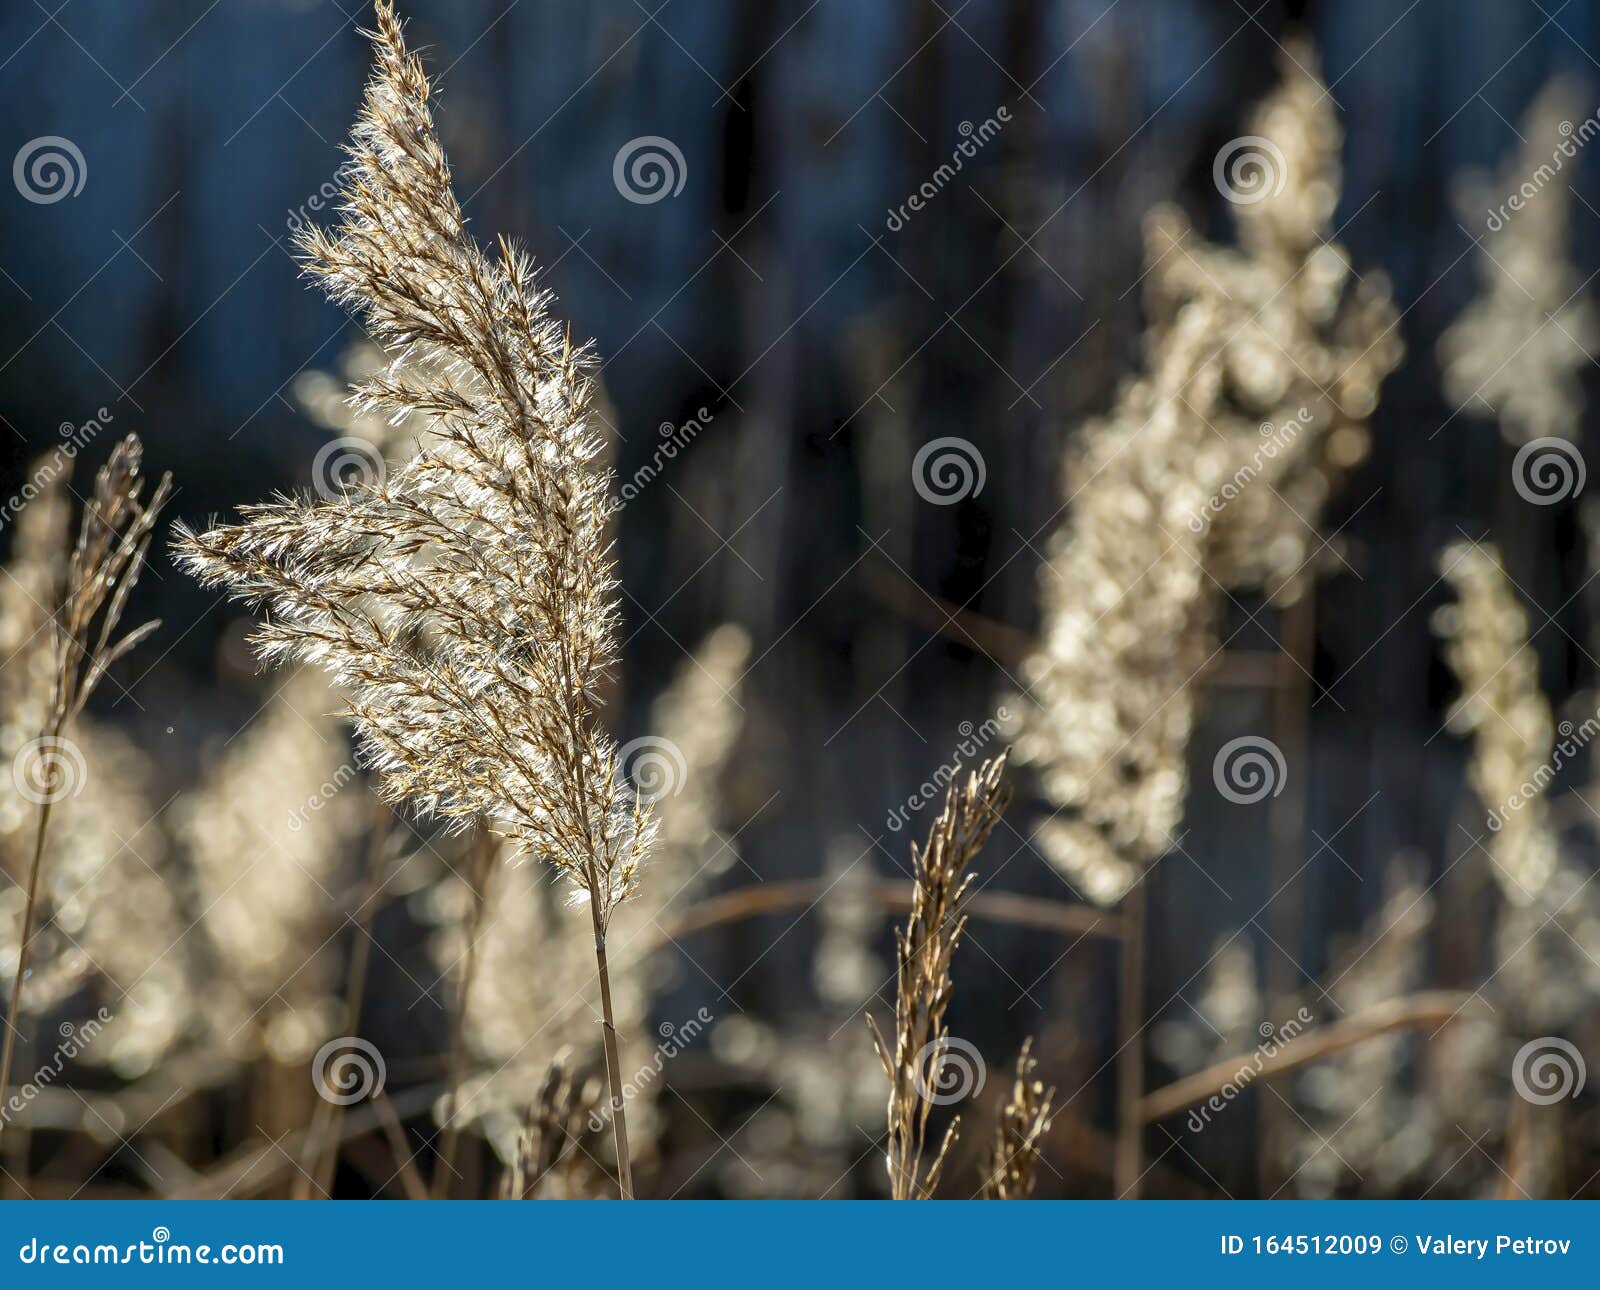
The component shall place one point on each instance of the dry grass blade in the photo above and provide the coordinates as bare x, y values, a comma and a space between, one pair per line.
465, 604
105, 563
924, 949
1011, 1165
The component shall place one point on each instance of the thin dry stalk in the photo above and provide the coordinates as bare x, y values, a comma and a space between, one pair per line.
918, 1060
1128, 1170
483, 855
1011, 1167
1431, 1008
395, 1134
329, 1113
112, 542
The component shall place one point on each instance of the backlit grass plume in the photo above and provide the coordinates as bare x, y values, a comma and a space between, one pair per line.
464, 604
1209, 475
533, 984
1503, 709
1521, 349
916, 1061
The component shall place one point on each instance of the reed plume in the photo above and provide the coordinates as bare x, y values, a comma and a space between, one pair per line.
1502, 707
1520, 349
916, 1061
324, 397
1222, 1019
1129, 621
533, 986
465, 604
1209, 475
113, 539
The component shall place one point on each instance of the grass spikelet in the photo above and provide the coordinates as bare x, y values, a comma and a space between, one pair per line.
1011, 1165
923, 953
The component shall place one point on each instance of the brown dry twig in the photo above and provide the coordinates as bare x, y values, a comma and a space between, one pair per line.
1008, 907
1430, 1008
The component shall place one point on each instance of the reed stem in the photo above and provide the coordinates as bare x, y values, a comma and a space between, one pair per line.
1129, 1168
452, 1127
619, 1120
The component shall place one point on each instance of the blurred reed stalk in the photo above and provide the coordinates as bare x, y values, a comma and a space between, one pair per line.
112, 543
483, 854
323, 1143
1290, 699
1128, 1166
